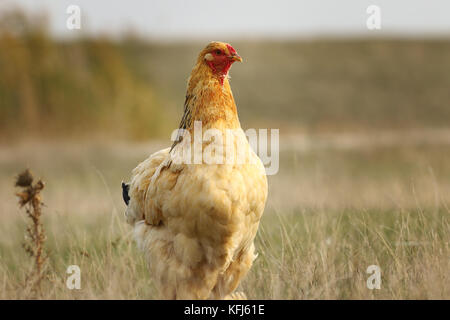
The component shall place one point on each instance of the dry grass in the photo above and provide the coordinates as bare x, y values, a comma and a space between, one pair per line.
340, 203
332, 212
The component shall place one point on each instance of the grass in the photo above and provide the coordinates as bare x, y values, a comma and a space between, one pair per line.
331, 213
364, 175
325, 254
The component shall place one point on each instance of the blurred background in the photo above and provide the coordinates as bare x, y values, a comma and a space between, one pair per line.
309, 66
364, 119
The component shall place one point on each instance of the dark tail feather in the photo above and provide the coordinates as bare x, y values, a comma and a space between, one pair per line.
125, 189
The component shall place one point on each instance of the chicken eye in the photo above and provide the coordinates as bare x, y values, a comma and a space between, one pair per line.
218, 52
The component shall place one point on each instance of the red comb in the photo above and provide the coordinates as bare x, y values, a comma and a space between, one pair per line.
231, 49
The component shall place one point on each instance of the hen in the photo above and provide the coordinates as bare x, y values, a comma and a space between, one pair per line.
196, 223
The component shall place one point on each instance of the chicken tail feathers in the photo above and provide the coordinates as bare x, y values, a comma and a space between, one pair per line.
125, 189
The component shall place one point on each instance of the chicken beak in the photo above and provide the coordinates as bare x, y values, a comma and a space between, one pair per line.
235, 57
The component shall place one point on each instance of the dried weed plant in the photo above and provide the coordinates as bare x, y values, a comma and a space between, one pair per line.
30, 199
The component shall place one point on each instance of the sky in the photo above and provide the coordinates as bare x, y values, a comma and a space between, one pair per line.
181, 19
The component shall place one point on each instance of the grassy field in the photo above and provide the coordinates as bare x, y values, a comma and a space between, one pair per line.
364, 166
336, 206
